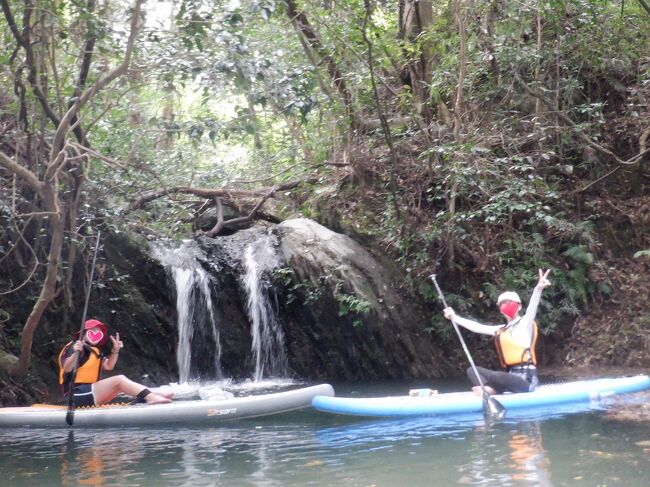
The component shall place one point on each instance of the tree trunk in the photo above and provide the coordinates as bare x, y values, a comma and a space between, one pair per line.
48, 291
48, 182
538, 67
459, 16
303, 26
415, 17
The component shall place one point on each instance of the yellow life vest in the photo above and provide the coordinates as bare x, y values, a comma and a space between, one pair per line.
88, 372
511, 353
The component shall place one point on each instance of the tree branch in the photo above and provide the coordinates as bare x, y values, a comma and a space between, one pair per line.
566, 119
388, 137
303, 26
24, 173
24, 40
12, 24
212, 192
69, 116
645, 5
221, 224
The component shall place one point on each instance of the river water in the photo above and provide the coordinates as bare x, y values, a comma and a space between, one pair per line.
571, 447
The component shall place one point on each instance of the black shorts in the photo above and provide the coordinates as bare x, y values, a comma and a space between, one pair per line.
83, 395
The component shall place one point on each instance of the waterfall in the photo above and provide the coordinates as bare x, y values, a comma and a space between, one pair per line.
269, 356
197, 327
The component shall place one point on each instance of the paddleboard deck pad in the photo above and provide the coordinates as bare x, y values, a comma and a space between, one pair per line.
176, 412
467, 402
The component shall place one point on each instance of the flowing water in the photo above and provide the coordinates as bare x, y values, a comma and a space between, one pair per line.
195, 310
570, 447
192, 287
269, 356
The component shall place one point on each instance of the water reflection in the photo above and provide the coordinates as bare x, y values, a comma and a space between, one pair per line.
308, 448
145, 457
507, 455
529, 461
98, 460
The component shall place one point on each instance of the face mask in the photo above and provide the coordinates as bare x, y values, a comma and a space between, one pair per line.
94, 336
510, 309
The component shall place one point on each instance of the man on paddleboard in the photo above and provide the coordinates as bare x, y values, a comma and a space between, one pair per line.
515, 343
88, 389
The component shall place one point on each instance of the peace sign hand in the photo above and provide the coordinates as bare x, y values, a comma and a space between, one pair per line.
543, 281
117, 343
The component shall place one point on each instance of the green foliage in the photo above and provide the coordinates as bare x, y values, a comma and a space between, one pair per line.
225, 92
309, 293
512, 215
306, 293
351, 305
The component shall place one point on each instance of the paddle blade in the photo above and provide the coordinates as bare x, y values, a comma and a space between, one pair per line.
492, 408
69, 417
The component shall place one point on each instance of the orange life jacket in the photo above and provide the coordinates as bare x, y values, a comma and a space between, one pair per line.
88, 372
511, 353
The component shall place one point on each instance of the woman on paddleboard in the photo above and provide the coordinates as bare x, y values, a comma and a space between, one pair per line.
515, 343
88, 388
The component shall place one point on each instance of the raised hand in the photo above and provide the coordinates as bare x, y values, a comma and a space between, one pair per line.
117, 343
543, 281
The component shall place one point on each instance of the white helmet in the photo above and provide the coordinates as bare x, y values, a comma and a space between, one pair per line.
508, 296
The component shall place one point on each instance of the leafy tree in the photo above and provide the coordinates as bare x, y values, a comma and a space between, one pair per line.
49, 163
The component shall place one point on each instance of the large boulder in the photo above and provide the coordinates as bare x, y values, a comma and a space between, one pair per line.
345, 315
342, 313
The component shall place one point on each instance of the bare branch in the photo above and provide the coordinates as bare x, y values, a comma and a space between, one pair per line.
643, 140
12, 23
221, 224
24, 40
566, 119
213, 192
24, 173
85, 151
303, 27
21, 237
273, 176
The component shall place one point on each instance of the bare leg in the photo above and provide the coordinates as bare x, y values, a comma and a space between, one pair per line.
163, 393
106, 389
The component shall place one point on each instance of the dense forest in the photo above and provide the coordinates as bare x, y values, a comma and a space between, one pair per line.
477, 140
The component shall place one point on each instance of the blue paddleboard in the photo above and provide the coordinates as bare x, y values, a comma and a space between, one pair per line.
467, 402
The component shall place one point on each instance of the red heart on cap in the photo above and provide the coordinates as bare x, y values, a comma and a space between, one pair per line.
95, 336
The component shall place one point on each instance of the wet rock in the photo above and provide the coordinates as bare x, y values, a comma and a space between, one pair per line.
633, 407
344, 314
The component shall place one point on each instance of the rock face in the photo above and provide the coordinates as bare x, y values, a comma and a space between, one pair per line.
331, 310
225, 263
345, 316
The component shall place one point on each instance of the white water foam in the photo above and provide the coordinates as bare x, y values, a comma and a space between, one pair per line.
224, 389
193, 303
269, 356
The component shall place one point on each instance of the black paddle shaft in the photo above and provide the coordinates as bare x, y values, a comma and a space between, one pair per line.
69, 417
491, 406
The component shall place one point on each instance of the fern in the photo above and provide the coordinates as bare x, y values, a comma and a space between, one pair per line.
579, 255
